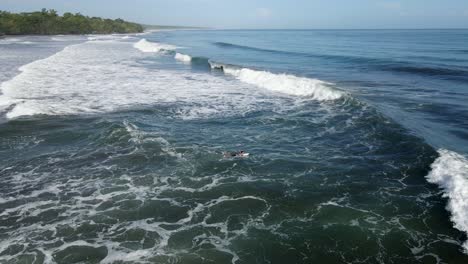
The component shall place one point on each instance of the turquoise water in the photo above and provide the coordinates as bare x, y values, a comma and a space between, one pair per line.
111, 147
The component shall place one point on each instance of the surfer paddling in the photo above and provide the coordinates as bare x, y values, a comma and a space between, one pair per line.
235, 154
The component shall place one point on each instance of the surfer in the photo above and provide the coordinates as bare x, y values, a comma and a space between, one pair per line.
236, 154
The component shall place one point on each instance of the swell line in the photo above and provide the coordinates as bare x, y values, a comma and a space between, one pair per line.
397, 66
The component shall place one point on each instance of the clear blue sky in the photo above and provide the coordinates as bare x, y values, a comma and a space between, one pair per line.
267, 13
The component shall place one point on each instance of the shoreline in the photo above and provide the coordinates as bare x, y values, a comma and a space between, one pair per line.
148, 31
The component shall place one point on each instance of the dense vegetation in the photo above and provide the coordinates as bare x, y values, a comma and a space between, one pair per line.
48, 22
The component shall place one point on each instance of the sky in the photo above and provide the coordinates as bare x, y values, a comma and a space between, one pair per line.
267, 14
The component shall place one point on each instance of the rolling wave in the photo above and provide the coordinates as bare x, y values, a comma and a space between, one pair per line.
462, 51
152, 47
283, 83
182, 57
230, 45
431, 71
341, 58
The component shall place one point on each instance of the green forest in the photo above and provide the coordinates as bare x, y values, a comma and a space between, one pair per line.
48, 22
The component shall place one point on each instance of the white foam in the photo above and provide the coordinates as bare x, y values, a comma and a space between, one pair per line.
140, 137
450, 172
104, 76
284, 83
78, 213
67, 38
146, 46
108, 37
8, 41
135, 256
182, 57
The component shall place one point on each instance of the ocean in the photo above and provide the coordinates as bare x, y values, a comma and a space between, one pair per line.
111, 147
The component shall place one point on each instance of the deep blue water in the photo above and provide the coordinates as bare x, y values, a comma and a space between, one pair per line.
112, 147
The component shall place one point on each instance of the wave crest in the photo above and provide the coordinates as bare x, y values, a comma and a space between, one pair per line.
450, 172
182, 57
146, 46
283, 83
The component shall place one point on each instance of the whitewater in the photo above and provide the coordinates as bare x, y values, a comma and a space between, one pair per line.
112, 151
110, 90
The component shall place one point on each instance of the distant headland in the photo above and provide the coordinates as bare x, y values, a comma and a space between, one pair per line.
48, 22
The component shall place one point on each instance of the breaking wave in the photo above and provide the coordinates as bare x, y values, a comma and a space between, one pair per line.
450, 172
146, 46
283, 83
182, 57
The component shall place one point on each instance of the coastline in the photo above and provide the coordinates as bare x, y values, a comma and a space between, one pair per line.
144, 32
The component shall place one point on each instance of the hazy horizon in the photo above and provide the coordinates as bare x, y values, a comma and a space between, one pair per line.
297, 14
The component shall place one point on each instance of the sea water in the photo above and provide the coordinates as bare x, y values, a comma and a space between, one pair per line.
111, 147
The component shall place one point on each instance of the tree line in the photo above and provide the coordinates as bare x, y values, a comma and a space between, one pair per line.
48, 22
